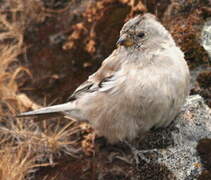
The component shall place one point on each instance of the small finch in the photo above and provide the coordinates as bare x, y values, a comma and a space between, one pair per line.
142, 84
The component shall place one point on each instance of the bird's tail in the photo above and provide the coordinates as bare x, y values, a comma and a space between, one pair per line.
51, 110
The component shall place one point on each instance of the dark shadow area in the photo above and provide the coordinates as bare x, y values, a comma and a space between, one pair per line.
204, 150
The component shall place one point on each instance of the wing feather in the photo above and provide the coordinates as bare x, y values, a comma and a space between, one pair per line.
89, 87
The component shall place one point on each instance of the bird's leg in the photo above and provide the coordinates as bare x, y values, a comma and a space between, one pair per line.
139, 154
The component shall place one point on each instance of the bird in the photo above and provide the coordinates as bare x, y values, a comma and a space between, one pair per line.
141, 85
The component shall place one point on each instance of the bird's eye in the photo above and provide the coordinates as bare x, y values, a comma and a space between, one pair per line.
141, 34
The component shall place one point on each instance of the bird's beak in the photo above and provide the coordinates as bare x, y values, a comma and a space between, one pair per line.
124, 40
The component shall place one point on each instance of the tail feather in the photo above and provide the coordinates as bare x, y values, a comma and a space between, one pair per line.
56, 109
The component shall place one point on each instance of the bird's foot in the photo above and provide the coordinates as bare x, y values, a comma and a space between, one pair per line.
141, 155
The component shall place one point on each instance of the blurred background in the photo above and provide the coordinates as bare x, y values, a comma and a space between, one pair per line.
49, 47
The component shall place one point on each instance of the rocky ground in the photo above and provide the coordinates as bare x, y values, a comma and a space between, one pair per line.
179, 152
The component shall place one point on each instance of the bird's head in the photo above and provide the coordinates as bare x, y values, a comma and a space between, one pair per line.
143, 30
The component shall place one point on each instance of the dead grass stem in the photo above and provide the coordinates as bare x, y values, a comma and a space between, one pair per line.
25, 144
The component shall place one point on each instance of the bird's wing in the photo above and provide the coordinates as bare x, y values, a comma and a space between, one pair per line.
84, 87
89, 87
102, 80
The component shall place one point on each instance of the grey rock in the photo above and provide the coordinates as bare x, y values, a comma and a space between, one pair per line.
172, 151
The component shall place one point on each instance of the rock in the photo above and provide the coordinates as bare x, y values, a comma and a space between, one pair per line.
206, 36
178, 152
176, 146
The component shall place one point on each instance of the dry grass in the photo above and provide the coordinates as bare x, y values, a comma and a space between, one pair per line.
16, 162
25, 143
46, 138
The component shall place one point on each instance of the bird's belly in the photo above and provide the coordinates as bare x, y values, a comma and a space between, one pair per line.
127, 121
